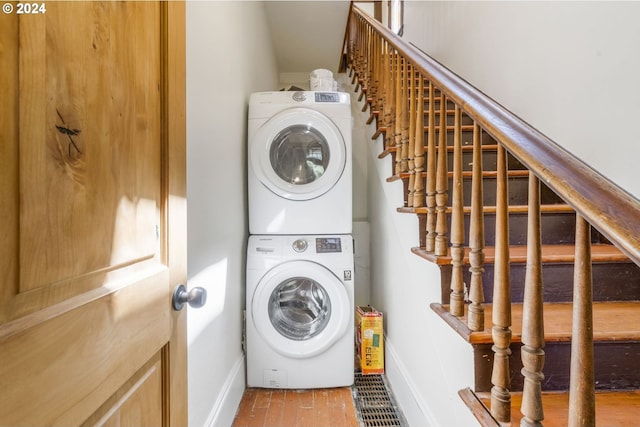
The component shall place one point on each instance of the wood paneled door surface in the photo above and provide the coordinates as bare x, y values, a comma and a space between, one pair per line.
92, 214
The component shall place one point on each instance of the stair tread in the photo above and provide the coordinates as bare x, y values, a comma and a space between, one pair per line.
612, 321
550, 254
613, 409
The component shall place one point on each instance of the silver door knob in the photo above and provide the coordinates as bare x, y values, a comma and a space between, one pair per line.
196, 297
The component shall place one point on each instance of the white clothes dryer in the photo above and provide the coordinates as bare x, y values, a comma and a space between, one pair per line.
299, 311
299, 163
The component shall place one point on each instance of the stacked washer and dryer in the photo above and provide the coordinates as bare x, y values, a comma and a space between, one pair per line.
300, 269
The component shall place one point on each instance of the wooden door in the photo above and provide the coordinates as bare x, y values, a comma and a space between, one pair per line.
92, 214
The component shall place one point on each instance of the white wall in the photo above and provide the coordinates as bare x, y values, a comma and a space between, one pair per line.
229, 56
570, 69
307, 34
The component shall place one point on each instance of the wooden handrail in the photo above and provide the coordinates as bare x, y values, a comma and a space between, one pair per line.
608, 208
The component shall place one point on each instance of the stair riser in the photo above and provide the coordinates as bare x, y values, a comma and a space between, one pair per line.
518, 190
465, 119
557, 228
611, 282
489, 161
616, 366
466, 136
518, 186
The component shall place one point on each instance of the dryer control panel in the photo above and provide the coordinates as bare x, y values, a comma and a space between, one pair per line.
328, 244
327, 97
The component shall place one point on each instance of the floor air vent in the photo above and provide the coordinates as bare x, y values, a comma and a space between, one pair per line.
374, 402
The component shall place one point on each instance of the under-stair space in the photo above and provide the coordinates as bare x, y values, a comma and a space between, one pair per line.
543, 295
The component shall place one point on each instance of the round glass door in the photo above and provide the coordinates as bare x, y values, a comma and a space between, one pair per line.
299, 308
299, 154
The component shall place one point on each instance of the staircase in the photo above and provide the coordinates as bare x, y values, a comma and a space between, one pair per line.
616, 291
548, 303
616, 307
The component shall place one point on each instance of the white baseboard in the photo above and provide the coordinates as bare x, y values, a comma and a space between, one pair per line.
224, 410
404, 390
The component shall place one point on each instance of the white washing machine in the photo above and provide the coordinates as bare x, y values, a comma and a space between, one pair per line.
300, 311
299, 163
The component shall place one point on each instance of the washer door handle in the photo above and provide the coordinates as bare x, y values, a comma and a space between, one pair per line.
196, 297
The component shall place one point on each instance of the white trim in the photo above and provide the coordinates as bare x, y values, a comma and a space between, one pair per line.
404, 390
224, 410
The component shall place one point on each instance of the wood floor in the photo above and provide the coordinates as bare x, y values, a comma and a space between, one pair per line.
296, 408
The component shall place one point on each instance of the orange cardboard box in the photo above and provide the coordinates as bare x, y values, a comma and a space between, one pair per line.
370, 340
